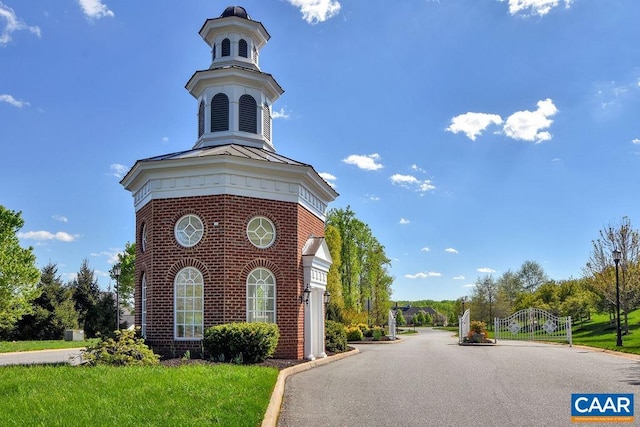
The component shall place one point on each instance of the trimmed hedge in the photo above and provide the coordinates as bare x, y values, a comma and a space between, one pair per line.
241, 342
335, 336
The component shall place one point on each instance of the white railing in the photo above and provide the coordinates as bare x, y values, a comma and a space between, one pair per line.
464, 322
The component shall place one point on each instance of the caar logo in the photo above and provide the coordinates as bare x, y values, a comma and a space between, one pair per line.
602, 408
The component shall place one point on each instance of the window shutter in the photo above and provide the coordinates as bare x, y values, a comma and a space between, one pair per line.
242, 49
248, 114
220, 113
201, 119
226, 47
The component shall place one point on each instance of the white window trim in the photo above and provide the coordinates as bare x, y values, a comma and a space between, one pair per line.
250, 231
249, 308
178, 233
175, 308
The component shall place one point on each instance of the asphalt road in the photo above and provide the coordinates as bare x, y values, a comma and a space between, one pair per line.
428, 380
69, 355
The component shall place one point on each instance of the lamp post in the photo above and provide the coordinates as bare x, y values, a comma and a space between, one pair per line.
327, 299
617, 255
116, 274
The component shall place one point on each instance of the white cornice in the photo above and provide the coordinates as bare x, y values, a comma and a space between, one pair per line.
217, 175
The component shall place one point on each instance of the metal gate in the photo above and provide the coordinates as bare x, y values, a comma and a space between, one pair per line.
463, 326
533, 324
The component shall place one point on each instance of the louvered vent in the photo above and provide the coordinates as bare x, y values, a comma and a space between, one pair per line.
226, 47
242, 48
220, 113
266, 122
200, 119
248, 114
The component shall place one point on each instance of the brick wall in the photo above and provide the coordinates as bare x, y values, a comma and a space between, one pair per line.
225, 257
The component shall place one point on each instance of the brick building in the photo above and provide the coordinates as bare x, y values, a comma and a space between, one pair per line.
230, 230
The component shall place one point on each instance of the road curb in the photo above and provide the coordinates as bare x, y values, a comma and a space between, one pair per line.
273, 410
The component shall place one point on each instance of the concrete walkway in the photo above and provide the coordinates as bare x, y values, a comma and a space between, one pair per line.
428, 380
65, 355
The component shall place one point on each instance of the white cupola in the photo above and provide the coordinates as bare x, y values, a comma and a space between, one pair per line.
234, 96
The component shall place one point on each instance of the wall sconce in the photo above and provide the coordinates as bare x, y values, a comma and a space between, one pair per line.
327, 298
304, 298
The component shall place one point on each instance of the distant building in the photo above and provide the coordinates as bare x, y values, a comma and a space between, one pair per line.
229, 230
408, 312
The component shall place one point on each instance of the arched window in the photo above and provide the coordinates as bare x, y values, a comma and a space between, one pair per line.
261, 296
189, 300
201, 119
266, 122
248, 114
226, 47
243, 49
220, 113
143, 320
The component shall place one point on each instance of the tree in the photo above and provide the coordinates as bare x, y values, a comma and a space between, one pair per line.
509, 287
531, 275
53, 311
400, 321
126, 282
600, 267
484, 298
334, 285
363, 267
18, 272
86, 294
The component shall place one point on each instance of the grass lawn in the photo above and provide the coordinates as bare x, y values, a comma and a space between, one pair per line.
12, 346
189, 395
601, 333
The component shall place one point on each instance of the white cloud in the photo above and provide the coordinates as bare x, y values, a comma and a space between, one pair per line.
528, 125
472, 124
411, 182
47, 235
374, 198
164, 139
459, 277
404, 221
366, 162
451, 250
11, 100
94, 9
485, 270
423, 275
118, 170
111, 255
469, 285
314, 11
13, 23
331, 180
425, 249
61, 218
534, 7
417, 168
636, 141
280, 114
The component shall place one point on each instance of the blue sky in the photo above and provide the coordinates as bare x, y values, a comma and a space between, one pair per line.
471, 135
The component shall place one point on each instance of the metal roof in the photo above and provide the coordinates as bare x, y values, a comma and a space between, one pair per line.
235, 150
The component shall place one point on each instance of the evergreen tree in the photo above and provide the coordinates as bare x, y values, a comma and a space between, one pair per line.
86, 295
53, 311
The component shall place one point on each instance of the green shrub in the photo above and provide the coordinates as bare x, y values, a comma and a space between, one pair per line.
378, 333
241, 342
335, 337
354, 334
124, 349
